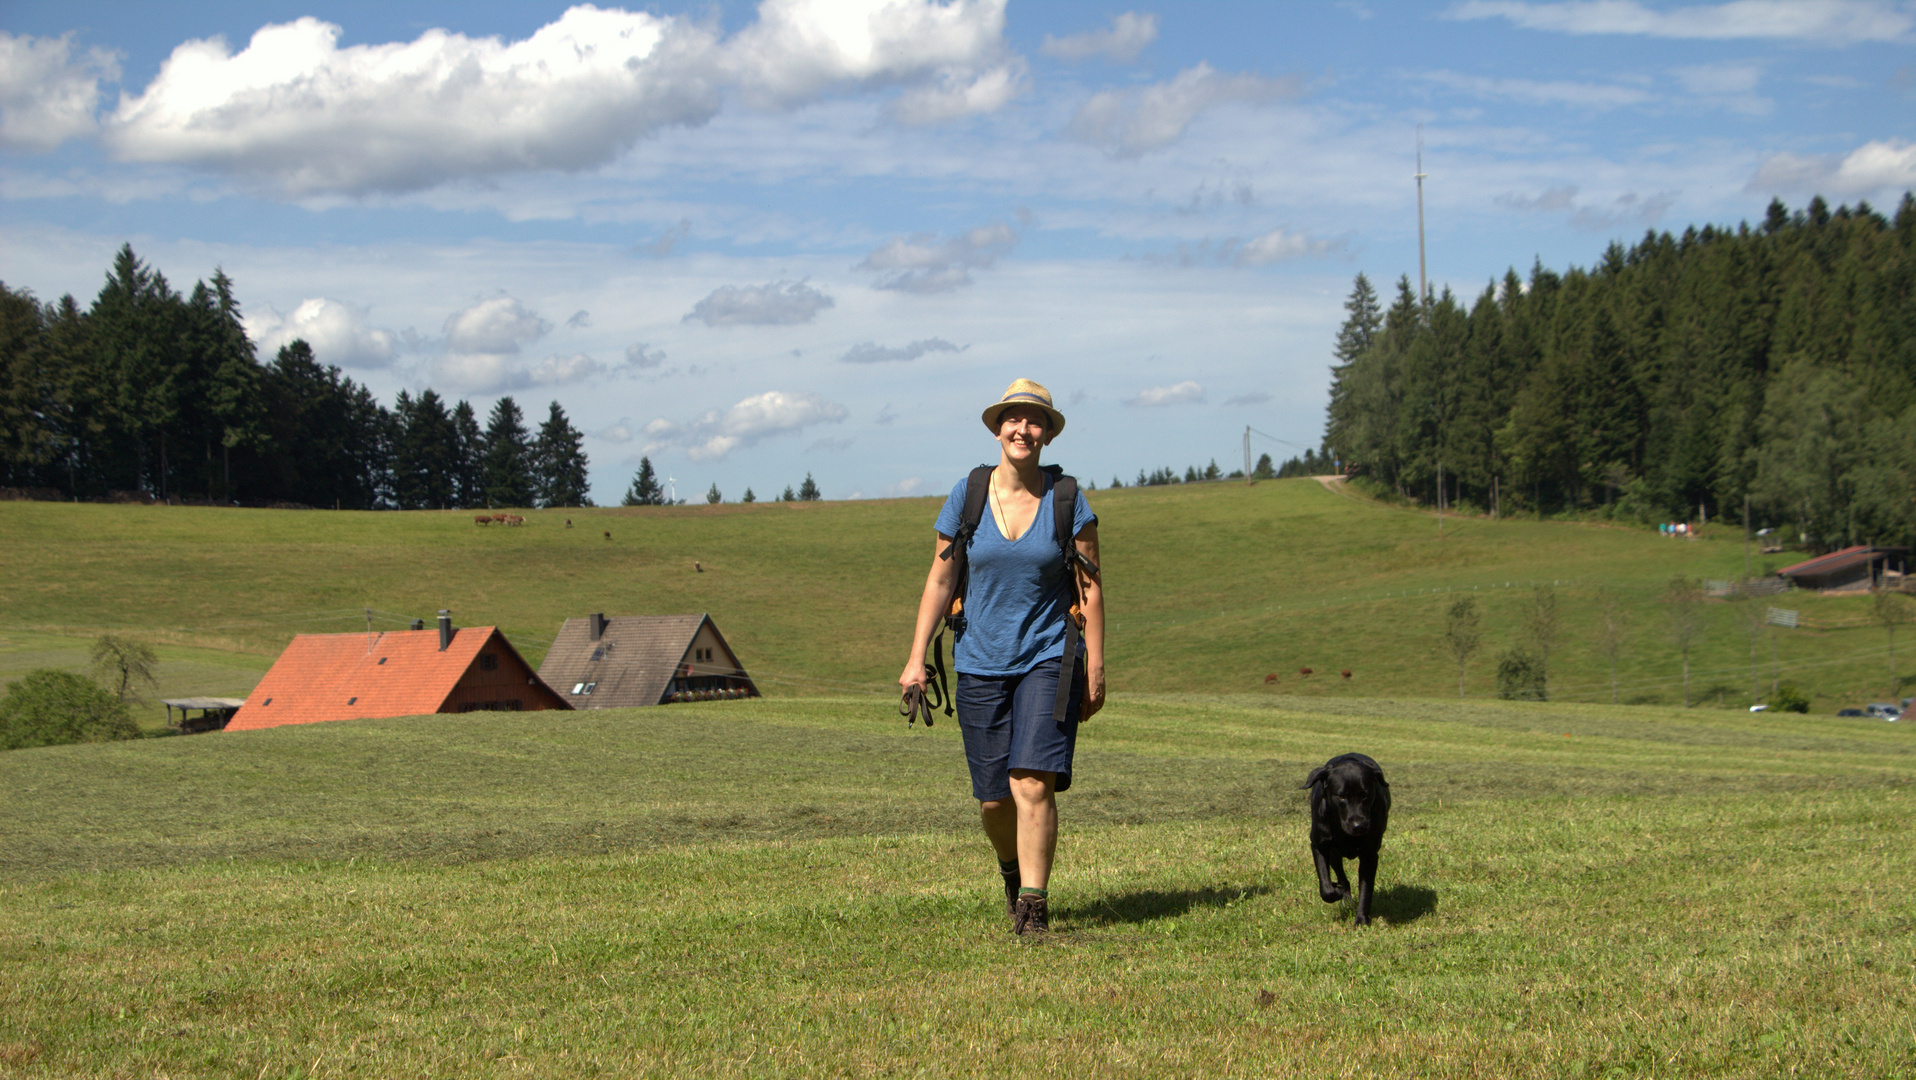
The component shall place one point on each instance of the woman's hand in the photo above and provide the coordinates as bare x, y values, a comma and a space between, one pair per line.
913, 675
1093, 694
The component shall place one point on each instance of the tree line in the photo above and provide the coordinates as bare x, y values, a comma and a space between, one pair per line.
1671, 381
157, 393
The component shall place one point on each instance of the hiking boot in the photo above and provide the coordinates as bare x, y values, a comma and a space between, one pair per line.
1030, 917
1011, 897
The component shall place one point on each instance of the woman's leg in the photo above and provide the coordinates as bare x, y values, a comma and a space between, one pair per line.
1037, 824
1000, 817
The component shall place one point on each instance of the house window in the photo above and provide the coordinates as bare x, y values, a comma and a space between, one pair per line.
488, 661
383, 659
598, 653
352, 701
265, 703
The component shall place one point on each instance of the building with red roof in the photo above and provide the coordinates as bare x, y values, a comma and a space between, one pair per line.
1863, 566
323, 677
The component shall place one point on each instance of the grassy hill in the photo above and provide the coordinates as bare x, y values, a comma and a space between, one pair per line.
797, 887
1211, 587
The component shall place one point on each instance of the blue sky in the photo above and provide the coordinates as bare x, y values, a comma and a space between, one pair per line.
756, 241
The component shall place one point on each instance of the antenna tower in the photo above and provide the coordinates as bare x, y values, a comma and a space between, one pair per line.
1423, 286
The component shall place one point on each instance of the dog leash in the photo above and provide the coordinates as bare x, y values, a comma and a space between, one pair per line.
925, 699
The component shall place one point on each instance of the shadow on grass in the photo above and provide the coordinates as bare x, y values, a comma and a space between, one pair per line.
1401, 904
1148, 904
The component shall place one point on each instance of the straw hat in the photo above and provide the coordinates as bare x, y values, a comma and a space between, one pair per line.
1024, 392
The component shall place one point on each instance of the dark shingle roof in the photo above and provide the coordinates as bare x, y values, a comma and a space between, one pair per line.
634, 660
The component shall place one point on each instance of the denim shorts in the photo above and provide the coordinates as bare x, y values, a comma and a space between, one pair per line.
1007, 724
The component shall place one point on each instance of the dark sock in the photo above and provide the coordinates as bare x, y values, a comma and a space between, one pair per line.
1029, 891
1007, 868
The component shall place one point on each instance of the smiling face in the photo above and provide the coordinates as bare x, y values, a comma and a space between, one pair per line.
1023, 431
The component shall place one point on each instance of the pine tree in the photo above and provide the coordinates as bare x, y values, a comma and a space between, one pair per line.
469, 458
713, 497
788, 496
645, 489
508, 457
749, 497
808, 491
426, 457
561, 462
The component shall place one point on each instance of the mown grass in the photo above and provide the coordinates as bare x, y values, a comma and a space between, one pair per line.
1210, 588
798, 888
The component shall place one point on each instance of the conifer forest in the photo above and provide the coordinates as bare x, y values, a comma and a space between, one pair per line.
1669, 382
149, 393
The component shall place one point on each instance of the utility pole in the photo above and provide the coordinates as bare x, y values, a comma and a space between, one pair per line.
1423, 285
1746, 536
1247, 455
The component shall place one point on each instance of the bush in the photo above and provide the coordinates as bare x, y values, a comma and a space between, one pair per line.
1789, 699
1521, 676
49, 708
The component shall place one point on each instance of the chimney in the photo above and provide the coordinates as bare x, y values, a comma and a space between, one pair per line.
445, 629
419, 624
598, 626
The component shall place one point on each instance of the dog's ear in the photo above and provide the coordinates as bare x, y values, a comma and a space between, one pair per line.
1316, 777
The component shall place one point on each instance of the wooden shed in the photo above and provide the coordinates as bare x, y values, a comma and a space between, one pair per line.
627, 660
323, 677
1863, 566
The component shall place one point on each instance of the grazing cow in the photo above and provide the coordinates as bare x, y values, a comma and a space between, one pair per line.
482, 519
608, 534
1304, 671
1271, 678
568, 523
1347, 673
696, 567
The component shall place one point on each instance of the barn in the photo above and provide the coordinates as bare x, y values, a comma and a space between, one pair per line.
627, 660
323, 677
1863, 566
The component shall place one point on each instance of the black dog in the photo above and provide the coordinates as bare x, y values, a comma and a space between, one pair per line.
1350, 805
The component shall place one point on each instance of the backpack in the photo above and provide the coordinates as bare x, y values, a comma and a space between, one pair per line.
1064, 501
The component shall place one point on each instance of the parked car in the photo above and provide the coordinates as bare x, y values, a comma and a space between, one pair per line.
1849, 712
1882, 711
1759, 708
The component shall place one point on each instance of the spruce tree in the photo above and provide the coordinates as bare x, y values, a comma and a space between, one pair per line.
645, 489
561, 462
508, 457
808, 491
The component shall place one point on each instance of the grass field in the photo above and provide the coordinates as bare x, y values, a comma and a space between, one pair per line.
1210, 588
797, 887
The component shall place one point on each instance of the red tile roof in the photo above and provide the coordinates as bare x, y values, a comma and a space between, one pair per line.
1834, 561
392, 673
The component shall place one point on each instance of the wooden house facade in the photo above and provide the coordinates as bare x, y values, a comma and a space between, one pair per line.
631, 660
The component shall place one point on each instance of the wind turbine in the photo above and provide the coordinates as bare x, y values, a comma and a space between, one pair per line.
1423, 288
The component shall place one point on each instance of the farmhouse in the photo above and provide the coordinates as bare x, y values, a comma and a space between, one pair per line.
1861, 567
627, 660
324, 677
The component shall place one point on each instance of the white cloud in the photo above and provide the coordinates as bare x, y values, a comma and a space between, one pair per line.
1885, 165
1831, 22
781, 303
800, 49
298, 112
1131, 123
498, 325
1277, 245
910, 485
715, 435
1178, 394
1629, 208
580, 320
337, 332
558, 370
619, 433
295, 113
866, 352
1127, 36
1583, 95
923, 264
47, 94
641, 355
953, 96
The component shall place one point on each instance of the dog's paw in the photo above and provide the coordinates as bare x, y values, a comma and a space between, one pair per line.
1332, 895
1361, 920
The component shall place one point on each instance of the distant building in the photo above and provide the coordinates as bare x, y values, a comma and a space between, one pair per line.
628, 660
323, 677
1861, 567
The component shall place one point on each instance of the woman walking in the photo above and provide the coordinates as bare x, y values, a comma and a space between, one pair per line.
1020, 591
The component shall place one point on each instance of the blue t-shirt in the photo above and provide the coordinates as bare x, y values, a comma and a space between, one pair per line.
1019, 593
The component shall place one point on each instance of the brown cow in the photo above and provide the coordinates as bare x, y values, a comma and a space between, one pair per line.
1347, 673
482, 519
1304, 671
1271, 678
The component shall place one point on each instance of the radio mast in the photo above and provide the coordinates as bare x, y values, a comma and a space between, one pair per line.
1423, 287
